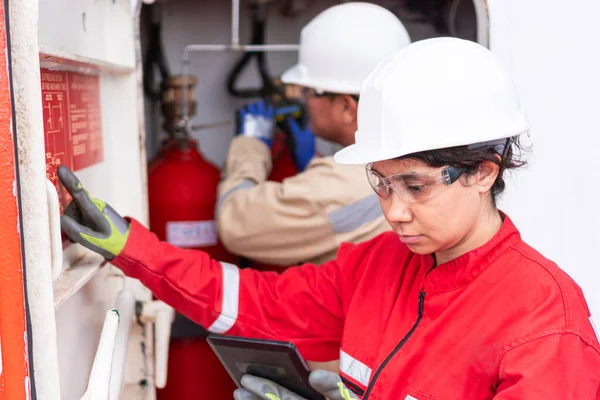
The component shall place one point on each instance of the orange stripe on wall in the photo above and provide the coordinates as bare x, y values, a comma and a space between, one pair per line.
13, 335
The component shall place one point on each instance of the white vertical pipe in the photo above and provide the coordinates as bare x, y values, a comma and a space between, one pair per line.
99, 382
125, 305
23, 17
234, 45
55, 232
149, 346
483, 22
162, 329
235, 23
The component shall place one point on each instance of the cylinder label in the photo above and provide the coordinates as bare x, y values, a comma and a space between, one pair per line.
192, 233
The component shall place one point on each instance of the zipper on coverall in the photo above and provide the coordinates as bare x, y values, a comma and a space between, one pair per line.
398, 346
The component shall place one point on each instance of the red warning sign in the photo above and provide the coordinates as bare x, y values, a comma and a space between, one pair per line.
72, 121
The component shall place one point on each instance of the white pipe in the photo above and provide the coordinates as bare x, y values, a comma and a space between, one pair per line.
162, 315
483, 22
99, 381
222, 47
244, 47
186, 107
150, 392
125, 305
162, 329
212, 125
235, 22
55, 232
23, 17
234, 45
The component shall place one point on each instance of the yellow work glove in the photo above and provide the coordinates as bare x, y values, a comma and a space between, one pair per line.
327, 383
91, 222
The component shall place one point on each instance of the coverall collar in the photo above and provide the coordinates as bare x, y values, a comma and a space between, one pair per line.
464, 269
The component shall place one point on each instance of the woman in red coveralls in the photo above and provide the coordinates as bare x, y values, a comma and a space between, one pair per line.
450, 305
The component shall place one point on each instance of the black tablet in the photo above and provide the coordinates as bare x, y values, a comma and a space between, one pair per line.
279, 362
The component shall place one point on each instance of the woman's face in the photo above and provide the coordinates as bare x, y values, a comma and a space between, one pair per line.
446, 216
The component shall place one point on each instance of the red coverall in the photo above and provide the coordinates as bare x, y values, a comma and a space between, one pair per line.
499, 322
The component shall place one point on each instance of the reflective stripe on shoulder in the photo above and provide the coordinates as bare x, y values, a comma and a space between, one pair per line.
352, 216
230, 302
594, 327
245, 184
354, 368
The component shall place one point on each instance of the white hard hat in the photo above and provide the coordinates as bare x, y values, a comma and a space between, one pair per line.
343, 44
435, 93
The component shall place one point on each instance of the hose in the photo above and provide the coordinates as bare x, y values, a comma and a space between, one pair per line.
259, 12
154, 56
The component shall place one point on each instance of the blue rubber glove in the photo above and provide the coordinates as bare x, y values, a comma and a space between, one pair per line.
257, 120
304, 143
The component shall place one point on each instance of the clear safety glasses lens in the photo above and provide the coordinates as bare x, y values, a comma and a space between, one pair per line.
412, 188
307, 93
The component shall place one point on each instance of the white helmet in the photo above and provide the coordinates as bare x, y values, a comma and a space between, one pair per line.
435, 93
343, 44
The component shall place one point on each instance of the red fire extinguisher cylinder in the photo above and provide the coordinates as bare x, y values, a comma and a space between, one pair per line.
182, 195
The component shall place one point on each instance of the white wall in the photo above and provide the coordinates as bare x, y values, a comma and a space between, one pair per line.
551, 49
100, 33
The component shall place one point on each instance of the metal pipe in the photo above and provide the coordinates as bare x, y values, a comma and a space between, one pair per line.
221, 47
244, 47
235, 22
99, 381
483, 22
233, 46
186, 106
162, 315
56, 250
125, 305
211, 125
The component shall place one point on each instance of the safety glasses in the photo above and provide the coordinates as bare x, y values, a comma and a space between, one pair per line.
310, 92
412, 188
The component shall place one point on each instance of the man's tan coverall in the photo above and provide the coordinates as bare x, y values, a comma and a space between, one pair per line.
303, 219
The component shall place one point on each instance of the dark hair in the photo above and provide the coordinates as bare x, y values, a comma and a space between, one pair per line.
469, 159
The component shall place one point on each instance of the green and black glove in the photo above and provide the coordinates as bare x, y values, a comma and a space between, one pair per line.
327, 383
91, 222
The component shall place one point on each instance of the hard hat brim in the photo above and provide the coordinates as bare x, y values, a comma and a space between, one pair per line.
295, 75
298, 75
353, 154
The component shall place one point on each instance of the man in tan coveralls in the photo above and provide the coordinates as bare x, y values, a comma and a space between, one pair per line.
306, 217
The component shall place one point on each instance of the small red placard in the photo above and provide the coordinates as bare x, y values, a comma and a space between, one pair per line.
72, 122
